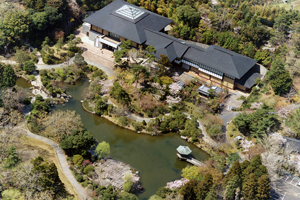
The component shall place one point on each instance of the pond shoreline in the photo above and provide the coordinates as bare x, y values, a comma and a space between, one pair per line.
111, 119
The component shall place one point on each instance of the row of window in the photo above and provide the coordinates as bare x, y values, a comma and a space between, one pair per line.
205, 67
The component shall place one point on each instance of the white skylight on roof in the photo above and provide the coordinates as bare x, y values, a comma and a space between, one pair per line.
130, 12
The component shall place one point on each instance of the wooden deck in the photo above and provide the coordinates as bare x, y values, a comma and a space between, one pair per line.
191, 160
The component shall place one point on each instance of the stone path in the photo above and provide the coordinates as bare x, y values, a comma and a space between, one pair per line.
45, 66
63, 163
11, 62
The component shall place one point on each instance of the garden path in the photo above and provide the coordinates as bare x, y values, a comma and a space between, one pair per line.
63, 163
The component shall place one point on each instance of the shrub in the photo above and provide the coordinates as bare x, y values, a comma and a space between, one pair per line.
79, 178
122, 121
137, 126
48, 59
88, 169
162, 192
77, 160
29, 66
127, 186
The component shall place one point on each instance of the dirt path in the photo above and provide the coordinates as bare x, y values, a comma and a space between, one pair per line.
63, 163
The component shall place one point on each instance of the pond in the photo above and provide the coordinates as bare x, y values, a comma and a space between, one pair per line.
153, 156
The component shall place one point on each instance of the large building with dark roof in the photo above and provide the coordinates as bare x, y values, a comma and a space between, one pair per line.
120, 21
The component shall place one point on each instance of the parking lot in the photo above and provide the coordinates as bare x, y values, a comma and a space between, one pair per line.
286, 188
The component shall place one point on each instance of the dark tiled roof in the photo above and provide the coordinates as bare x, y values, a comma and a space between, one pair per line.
292, 143
221, 59
145, 28
165, 44
248, 80
132, 29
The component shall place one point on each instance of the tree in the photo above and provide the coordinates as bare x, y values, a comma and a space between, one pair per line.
282, 83
3, 40
125, 47
233, 157
211, 194
233, 171
21, 57
127, 196
49, 176
7, 76
138, 71
249, 188
102, 149
12, 193
256, 161
39, 21
79, 60
16, 24
13, 157
78, 143
279, 78
190, 172
231, 187
188, 15
150, 49
58, 4
204, 187
62, 123
188, 190
263, 187
100, 107
77, 160
163, 63
120, 94
29, 66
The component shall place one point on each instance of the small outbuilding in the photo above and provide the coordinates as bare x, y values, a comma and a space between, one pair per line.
203, 89
184, 150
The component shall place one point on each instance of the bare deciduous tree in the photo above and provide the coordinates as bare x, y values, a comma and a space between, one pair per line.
61, 123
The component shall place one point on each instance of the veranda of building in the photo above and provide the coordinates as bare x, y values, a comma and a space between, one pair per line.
120, 21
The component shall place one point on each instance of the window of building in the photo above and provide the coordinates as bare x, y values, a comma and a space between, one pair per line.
115, 36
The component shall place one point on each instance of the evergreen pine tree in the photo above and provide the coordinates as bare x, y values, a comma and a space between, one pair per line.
234, 183
263, 187
249, 189
234, 170
256, 161
13, 157
8, 76
244, 165
204, 187
262, 170
188, 190
212, 195
249, 170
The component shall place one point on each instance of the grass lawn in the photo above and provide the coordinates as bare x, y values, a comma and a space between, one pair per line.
193, 110
86, 105
296, 5
48, 153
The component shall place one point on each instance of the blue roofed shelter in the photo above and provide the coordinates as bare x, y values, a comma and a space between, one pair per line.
184, 150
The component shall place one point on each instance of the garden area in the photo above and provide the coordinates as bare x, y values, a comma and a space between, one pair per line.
61, 51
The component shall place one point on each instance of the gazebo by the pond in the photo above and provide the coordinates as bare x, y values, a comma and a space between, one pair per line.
184, 150
183, 153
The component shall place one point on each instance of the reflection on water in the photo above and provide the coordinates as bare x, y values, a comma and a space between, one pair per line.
154, 157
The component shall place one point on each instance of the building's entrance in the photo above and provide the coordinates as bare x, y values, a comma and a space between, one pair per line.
108, 47
87, 34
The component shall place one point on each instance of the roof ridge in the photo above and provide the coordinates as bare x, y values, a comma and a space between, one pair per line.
222, 51
167, 36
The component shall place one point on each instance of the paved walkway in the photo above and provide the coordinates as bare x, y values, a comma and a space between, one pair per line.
63, 163
11, 62
45, 66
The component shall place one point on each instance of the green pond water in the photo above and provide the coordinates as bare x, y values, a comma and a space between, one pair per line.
153, 156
